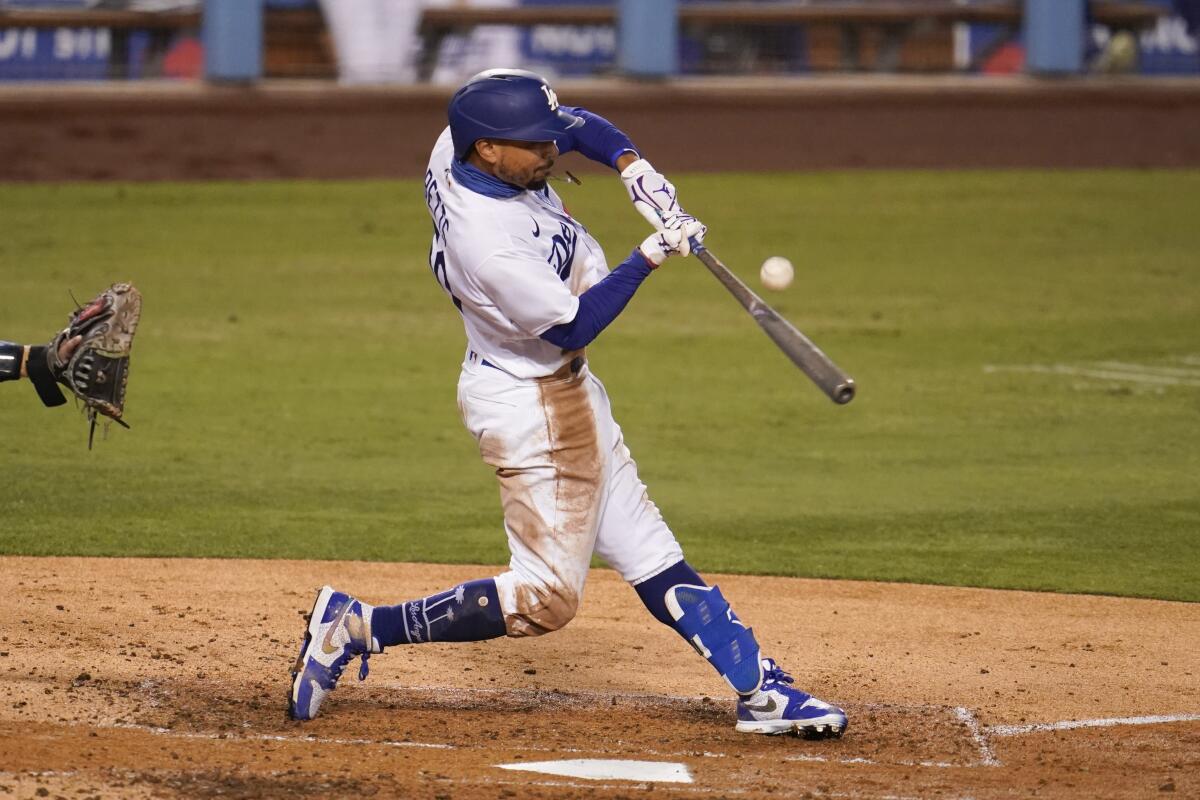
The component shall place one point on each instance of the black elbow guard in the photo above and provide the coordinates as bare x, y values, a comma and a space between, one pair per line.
38, 370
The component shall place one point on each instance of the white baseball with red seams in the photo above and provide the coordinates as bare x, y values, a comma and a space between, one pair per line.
776, 273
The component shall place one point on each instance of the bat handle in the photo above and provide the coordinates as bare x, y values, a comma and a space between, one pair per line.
697, 246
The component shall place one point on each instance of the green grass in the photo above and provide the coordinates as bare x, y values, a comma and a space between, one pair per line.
293, 380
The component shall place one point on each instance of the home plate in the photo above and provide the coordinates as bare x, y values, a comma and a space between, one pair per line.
603, 769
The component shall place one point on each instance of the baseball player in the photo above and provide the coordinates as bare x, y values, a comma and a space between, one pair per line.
533, 289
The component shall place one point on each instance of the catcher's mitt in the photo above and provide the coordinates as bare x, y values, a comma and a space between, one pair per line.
97, 370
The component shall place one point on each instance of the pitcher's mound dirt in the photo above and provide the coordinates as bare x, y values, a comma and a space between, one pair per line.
168, 678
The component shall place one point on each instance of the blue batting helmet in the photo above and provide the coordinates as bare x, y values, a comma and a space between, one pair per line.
506, 104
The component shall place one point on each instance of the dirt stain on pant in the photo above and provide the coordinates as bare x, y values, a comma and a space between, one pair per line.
564, 543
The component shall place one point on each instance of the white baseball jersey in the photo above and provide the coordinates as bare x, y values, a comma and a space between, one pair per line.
514, 267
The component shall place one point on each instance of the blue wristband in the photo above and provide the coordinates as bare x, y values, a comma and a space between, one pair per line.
601, 304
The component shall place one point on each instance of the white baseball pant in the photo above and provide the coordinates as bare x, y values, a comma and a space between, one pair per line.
568, 487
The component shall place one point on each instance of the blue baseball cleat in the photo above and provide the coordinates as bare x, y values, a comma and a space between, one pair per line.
778, 708
339, 629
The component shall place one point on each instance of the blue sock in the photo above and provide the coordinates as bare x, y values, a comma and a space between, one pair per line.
654, 590
470, 612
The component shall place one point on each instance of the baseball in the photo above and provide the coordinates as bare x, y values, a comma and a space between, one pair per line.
776, 273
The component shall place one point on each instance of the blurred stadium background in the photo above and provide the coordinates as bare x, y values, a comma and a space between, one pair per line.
170, 89
443, 41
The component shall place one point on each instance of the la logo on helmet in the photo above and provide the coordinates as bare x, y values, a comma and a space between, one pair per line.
551, 97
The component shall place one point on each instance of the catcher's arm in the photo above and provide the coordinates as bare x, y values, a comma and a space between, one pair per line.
32, 362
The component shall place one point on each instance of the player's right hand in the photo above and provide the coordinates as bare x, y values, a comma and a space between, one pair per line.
654, 196
651, 193
660, 246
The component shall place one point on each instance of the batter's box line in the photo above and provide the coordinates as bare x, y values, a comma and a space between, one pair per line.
986, 756
1108, 371
1074, 724
982, 735
872, 763
156, 730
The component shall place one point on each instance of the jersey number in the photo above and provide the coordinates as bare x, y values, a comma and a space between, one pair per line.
437, 260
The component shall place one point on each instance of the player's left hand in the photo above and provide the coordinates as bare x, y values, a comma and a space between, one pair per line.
660, 246
655, 198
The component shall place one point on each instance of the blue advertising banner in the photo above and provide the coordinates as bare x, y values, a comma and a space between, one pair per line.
569, 49
1169, 48
54, 54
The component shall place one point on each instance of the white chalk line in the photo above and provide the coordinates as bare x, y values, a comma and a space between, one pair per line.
870, 762
1090, 372
257, 737
269, 737
986, 757
311, 739
1122, 366
1073, 724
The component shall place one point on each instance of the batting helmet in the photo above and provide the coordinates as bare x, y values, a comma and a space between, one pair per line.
506, 104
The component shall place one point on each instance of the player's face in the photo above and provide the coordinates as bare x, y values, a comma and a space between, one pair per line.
523, 163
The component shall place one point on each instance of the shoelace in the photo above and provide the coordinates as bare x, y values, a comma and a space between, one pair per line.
775, 673
363, 669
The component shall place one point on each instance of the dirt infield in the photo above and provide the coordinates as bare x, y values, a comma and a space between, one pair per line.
171, 131
167, 678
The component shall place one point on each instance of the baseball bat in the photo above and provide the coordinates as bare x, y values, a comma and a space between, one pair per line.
828, 377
